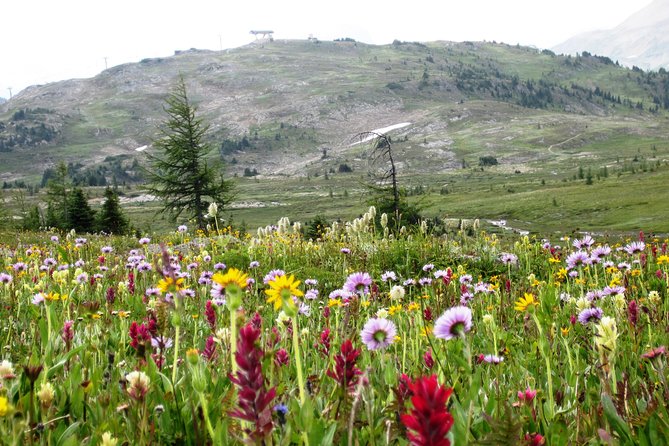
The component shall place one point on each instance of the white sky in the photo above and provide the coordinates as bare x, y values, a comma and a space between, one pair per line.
43, 41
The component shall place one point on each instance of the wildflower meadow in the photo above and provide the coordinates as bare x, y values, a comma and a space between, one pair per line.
364, 336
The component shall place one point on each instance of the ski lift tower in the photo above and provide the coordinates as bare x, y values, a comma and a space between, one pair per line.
266, 34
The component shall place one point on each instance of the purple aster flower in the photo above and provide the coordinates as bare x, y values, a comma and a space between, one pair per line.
590, 315
600, 252
424, 281
97, 276
20, 266
182, 228
613, 290
152, 292
161, 342
54, 238
311, 282
63, 267
508, 259
79, 263
144, 241
409, 282
378, 333
573, 274
586, 242
103, 268
466, 297
217, 292
454, 322
49, 261
578, 258
206, 259
345, 251
106, 249
144, 267
250, 281
192, 266
634, 248
187, 292
466, 278
254, 264
273, 275
38, 298
311, 294
220, 266
304, 309
428, 267
340, 294
482, 287
80, 241
358, 283
5, 278
441, 273
389, 276
490, 359
594, 295
82, 278
624, 266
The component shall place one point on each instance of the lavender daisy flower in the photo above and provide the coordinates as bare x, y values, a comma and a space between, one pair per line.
465, 278
187, 292
103, 268
311, 282
192, 266
594, 295
454, 322
49, 261
466, 297
590, 315
389, 276
428, 267
220, 266
441, 274
254, 264
161, 342
38, 298
613, 290
54, 238
586, 242
340, 294
144, 241
491, 359
82, 278
482, 287
409, 282
358, 283
206, 259
378, 333
182, 228
5, 278
273, 275
250, 281
573, 274
425, 281
80, 241
217, 292
144, 267
152, 292
106, 249
600, 252
311, 294
634, 248
304, 309
508, 259
79, 263
20, 266
345, 251
624, 266
578, 258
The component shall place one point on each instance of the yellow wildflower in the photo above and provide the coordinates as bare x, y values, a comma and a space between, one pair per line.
426, 331
281, 289
524, 302
636, 272
565, 330
169, 284
663, 259
413, 306
394, 309
4, 406
232, 276
334, 303
365, 303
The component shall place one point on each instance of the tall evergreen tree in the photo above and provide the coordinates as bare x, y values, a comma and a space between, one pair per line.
111, 219
180, 173
81, 217
32, 221
57, 196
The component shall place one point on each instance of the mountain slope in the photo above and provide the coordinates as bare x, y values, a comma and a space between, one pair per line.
642, 40
294, 107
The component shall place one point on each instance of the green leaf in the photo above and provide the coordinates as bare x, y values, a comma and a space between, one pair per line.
617, 423
68, 433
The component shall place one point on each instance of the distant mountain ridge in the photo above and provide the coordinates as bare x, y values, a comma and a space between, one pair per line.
292, 107
642, 40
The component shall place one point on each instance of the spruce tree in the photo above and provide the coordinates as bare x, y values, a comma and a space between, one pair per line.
81, 217
111, 219
179, 172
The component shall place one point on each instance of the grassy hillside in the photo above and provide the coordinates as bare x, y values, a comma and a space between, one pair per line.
289, 111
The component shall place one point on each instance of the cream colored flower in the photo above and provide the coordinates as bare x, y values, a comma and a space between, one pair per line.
108, 440
46, 394
138, 384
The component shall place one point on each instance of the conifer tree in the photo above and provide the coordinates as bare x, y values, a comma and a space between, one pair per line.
111, 219
81, 217
180, 173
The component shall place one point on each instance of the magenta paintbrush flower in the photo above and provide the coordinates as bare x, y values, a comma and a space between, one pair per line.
429, 421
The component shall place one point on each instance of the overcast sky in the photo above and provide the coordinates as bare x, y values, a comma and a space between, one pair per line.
43, 41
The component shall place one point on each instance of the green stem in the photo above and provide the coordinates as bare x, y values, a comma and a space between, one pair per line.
298, 361
207, 421
233, 340
548, 365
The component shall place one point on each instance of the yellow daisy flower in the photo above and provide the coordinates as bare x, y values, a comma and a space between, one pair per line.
524, 302
170, 284
232, 276
281, 289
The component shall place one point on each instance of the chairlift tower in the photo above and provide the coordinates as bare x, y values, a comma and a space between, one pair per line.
264, 33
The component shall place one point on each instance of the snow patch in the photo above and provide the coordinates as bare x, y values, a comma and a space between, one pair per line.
381, 131
141, 149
